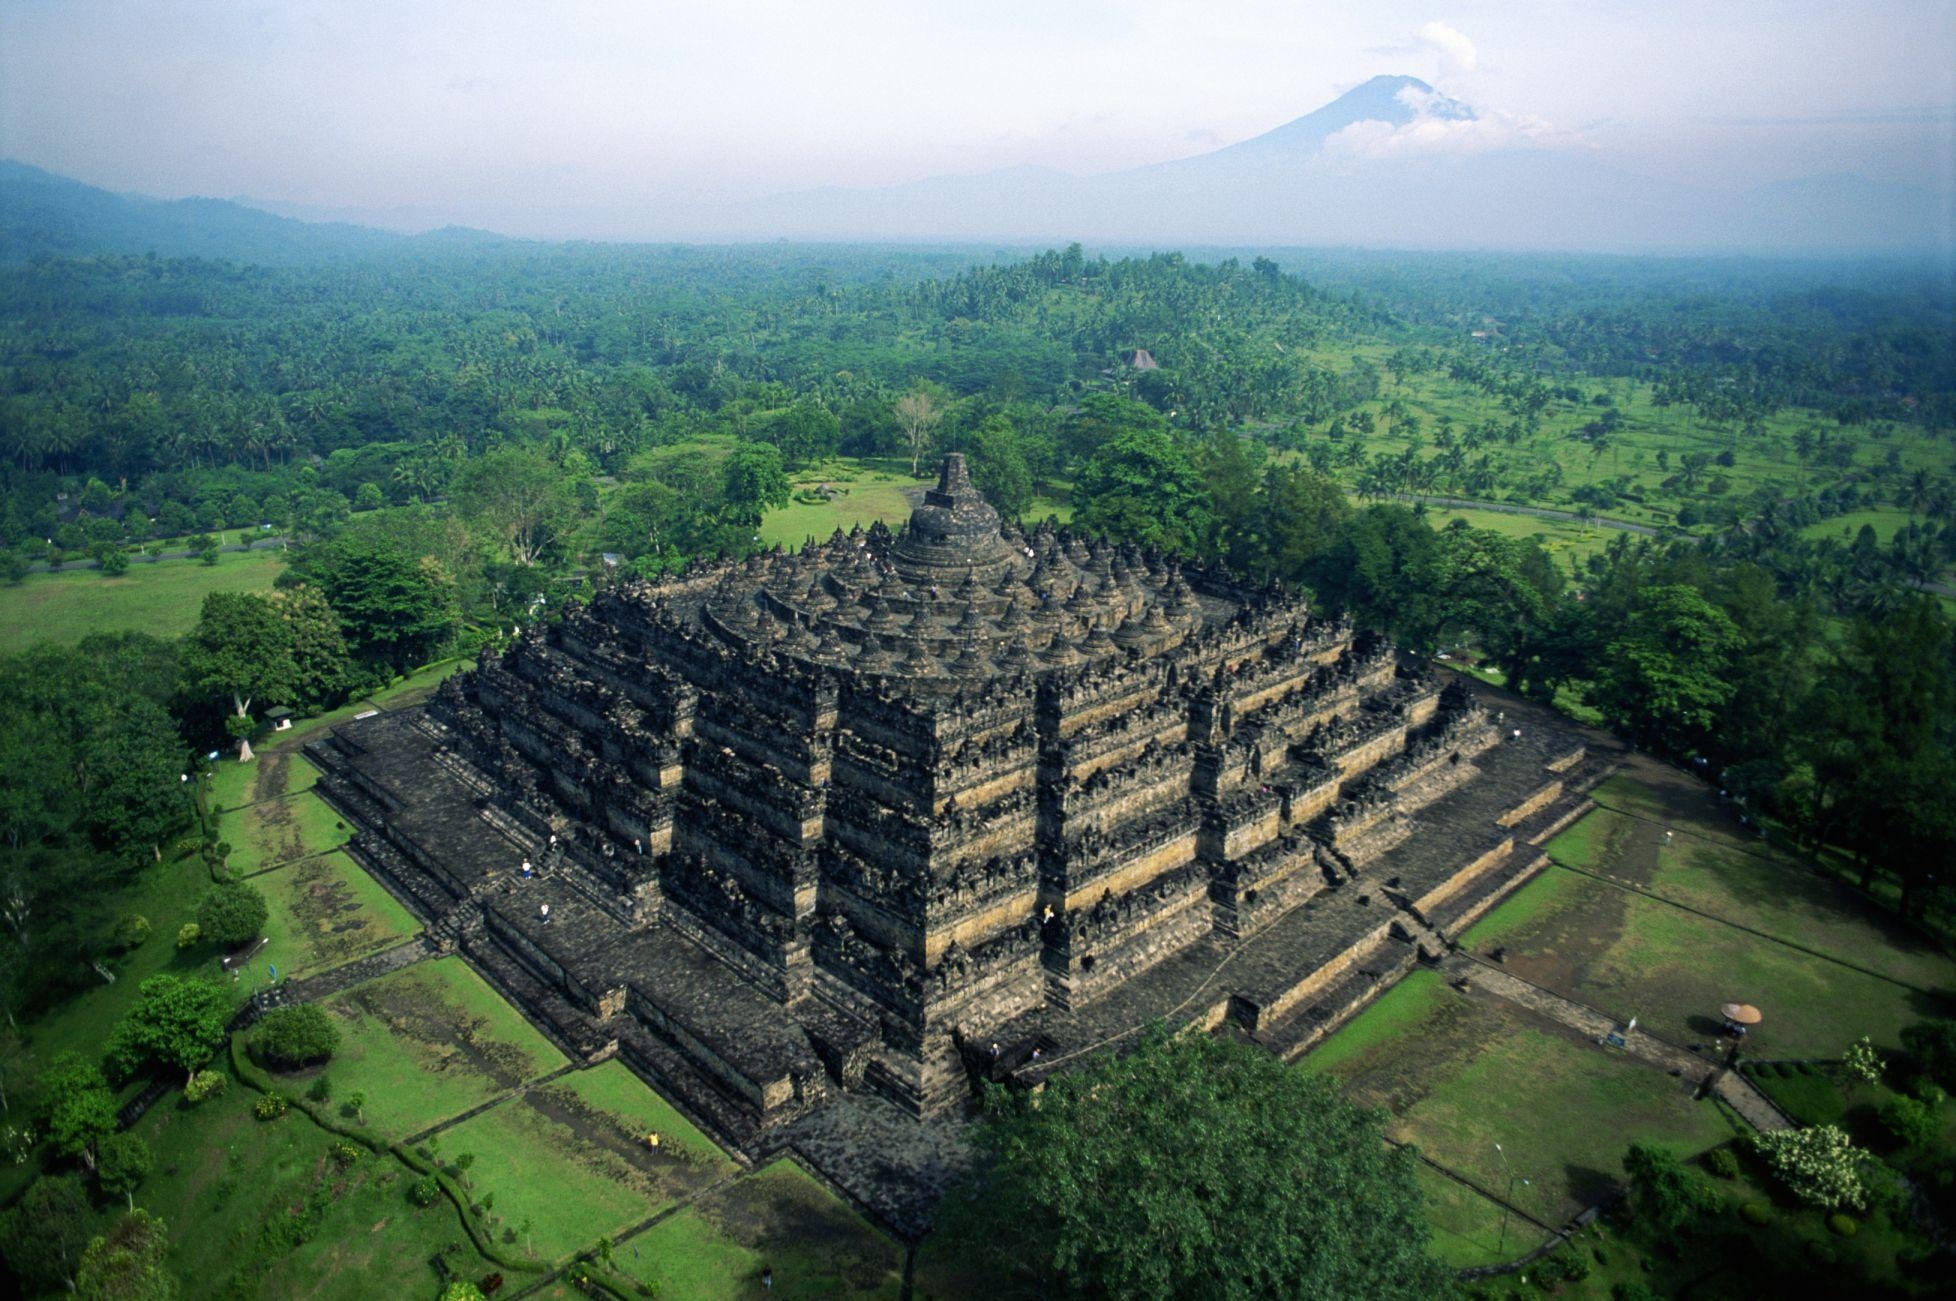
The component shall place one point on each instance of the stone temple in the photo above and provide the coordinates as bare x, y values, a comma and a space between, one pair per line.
898, 812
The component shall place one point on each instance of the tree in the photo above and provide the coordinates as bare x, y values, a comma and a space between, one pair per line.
999, 469
43, 1235
79, 1109
1818, 1164
1932, 1046
395, 607
1664, 678
123, 1162
321, 666
1143, 487
292, 1037
1666, 1193
126, 1264
232, 914
204, 547
240, 652
919, 412
461, 1290
518, 497
755, 482
1192, 1166
177, 1023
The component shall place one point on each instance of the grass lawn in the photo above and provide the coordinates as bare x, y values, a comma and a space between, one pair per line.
429, 1042
1460, 1074
570, 1160
277, 771
262, 1209
1886, 523
162, 598
1566, 540
1632, 955
866, 496
777, 1217
1754, 886
1468, 1229
280, 830
325, 912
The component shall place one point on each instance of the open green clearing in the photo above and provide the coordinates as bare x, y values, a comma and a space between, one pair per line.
1567, 541
1757, 888
263, 1209
1886, 523
1470, 1230
277, 770
429, 1042
1460, 1074
570, 1160
1632, 955
864, 495
162, 598
281, 830
323, 912
778, 1217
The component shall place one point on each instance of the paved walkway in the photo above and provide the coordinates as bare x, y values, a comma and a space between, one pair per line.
1737, 1091
328, 983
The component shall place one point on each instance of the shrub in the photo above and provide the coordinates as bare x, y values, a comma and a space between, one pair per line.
320, 1089
232, 914
1819, 1165
1923, 1089
346, 1153
1632, 1290
189, 935
1861, 1062
1574, 1267
203, 1086
1721, 1162
269, 1107
1663, 1189
291, 1037
424, 1191
1933, 1046
1910, 1121
1756, 1213
130, 933
1845, 1225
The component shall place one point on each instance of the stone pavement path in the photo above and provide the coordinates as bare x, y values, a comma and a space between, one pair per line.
328, 983
1735, 1089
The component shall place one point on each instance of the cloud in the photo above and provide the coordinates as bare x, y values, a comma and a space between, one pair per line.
1443, 126
1457, 53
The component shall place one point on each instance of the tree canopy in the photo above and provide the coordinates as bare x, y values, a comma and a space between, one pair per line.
1190, 1166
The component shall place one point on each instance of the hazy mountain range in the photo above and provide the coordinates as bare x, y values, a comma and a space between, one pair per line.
1390, 164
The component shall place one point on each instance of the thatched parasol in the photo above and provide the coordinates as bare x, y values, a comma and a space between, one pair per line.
1743, 1013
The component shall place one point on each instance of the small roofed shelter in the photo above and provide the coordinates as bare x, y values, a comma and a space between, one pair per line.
280, 719
1142, 359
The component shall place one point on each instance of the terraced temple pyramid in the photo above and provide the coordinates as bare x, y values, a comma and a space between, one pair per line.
899, 810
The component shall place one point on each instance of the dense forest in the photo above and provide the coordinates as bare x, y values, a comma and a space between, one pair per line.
448, 444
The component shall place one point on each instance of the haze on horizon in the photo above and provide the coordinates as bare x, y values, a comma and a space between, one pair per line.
590, 118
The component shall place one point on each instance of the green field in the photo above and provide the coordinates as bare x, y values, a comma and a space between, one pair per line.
1886, 523
1755, 887
570, 1159
1565, 540
865, 496
277, 770
281, 830
162, 598
323, 912
1469, 1229
779, 1218
264, 1209
1460, 1074
428, 1043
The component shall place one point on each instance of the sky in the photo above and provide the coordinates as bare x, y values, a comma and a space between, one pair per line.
564, 118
